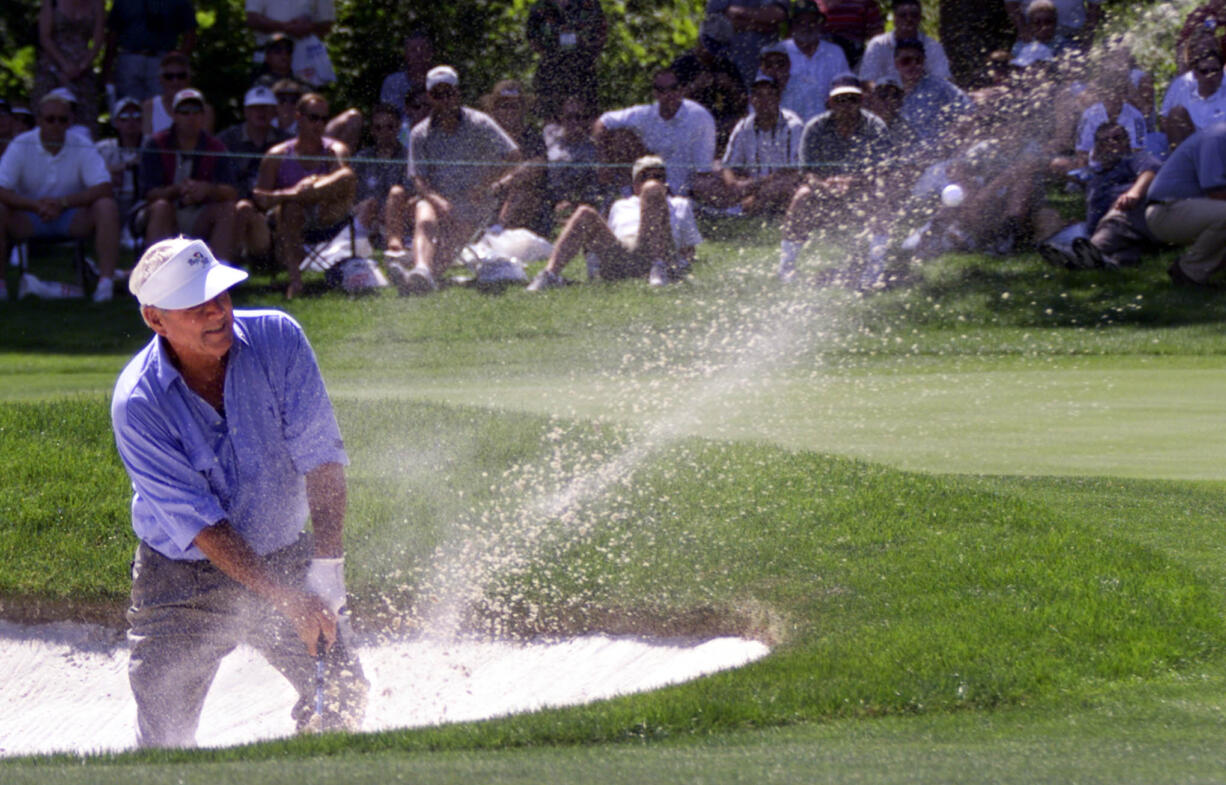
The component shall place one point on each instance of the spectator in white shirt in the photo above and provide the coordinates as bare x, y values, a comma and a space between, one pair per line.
1196, 99
815, 62
760, 165
878, 60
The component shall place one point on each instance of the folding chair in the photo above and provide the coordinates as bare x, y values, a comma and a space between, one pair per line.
86, 274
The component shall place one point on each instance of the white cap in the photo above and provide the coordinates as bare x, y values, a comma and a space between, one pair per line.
259, 96
441, 74
59, 94
180, 273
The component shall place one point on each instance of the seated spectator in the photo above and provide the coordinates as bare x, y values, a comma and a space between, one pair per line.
1187, 206
1205, 24
651, 233
288, 93
187, 179
455, 195
930, 104
1042, 32
415, 109
383, 189
567, 37
121, 153
249, 141
568, 146
6, 124
878, 60
755, 24
525, 206
851, 24
775, 63
158, 110
23, 120
675, 128
708, 77
411, 79
306, 185
1196, 99
277, 63
839, 150
761, 162
1072, 20
53, 184
814, 62
1111, 90
1115, 206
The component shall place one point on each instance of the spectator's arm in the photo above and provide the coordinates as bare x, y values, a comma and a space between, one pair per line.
46, 39
88, 196
16, 201
1136, 192
1014, 10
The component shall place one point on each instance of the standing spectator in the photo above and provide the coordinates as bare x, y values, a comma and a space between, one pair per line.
139, 34
188, 180
458, 159
1042, 33
1205, 23
755, 24
383, 191
839, 149
775, 63
568, 37
878, 61
760, 165
710, 78
70, 37
1111, 88
1187, 206
305, 183
814, 62
851, 24
411, 79
122, 155
969, 30
571, 176
158, 110
55, 184
416, 108
249, 141
675, 128
650, 233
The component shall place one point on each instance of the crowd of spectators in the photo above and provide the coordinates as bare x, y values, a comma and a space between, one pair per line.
837, 117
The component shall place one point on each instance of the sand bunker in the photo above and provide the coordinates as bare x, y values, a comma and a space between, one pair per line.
66, 689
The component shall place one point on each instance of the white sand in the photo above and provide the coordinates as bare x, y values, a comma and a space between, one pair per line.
65, 685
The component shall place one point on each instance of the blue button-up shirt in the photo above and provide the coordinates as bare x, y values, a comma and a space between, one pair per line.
192, 466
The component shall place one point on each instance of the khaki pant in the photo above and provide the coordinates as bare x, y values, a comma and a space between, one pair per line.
1199, 224
187, 615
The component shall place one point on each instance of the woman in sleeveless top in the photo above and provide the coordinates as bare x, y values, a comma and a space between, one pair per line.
70, 35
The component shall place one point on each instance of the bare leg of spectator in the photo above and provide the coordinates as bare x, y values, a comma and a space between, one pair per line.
584, 231
217, 223
396, 218
254, 238
290, 218
162, 221
101, 220
346, 127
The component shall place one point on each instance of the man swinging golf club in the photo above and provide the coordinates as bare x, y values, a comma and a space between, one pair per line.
229, 438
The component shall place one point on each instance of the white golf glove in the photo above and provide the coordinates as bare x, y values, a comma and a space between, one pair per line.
326, 579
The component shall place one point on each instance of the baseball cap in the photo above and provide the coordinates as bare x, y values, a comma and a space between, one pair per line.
180, 272
888, 80
644, 163
259, 96
127, 102
59, 94
441, 74
799, 7
185, 95
845, 84
761, 78
278, 38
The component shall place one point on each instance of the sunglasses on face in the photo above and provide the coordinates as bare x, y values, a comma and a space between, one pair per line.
909, 61
668, 88
288, 98
652, 174
56, 119
189, 109
175, 76
1209, 70
315, 118
383, 127
846, 99
128, 116
282, 48
443, 93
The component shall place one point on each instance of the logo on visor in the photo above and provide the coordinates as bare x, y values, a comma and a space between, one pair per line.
197, 258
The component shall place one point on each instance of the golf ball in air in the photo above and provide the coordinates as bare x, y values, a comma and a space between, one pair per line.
952, 195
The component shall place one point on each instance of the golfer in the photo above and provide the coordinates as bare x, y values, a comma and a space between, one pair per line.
227, 433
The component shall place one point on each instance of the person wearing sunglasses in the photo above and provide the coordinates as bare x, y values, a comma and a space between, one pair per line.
1197, 98
306, 187
175, 75
138, 35
930, 103
460, 162
122, 153
383, 187
878, 60
187, 178
650, 234
53, 183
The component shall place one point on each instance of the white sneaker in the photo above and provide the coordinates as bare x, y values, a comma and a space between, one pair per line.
417, 281
545, 280
104, 291
659, 273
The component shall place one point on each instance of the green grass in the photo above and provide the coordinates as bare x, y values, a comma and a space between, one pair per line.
982, 530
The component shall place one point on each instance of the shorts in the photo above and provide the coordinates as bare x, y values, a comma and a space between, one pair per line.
626, 262
187, 215
56, 228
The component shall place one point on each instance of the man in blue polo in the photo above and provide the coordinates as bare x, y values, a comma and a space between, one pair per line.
1186, 206
228, 436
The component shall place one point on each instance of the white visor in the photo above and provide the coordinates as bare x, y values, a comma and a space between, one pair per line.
190, 277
